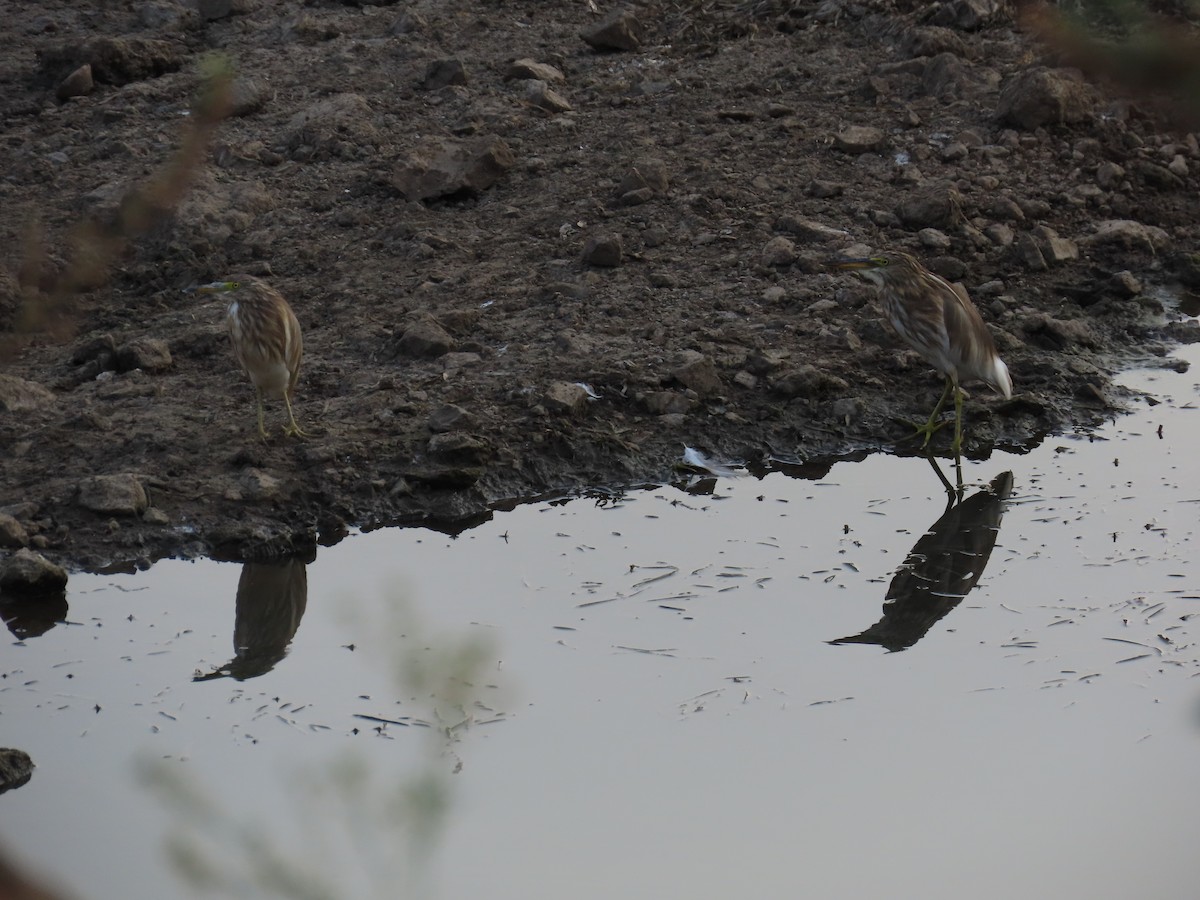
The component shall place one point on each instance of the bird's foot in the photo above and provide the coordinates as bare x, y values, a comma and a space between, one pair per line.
294, 430
925, 430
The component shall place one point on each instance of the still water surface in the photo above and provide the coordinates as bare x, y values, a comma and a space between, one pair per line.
665, 694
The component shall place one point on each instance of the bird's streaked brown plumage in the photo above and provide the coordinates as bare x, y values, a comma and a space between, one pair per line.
939, 321
266, 340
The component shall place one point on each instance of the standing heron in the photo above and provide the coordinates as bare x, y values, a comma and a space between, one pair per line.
939, 321
266, 340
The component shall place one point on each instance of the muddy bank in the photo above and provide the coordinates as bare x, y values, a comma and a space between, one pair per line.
535, 251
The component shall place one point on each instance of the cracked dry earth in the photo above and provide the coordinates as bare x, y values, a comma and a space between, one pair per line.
537, 247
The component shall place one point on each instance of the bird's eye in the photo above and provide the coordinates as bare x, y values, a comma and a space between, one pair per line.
234, 285
880, 260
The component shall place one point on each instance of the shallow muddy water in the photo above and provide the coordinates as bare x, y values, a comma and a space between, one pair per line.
651, 695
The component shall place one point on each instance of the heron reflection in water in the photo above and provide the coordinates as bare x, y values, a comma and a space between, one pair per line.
941, 569
271, 597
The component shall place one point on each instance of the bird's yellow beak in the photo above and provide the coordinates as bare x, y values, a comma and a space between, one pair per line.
216, 287
851, 265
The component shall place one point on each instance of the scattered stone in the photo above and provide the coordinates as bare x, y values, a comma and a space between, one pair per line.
667, 403
257, 486
1178, 166
825, 189
968, 15
931, 206
449, 418
948, 76
528, 69
603, 250
1006, 208
932, 40
1109, 175
646, 178
619, 30
442, 73
566, 398
16, 768
445, 168
212, 10
1128, 234
113, 495
28, 572
1054, 249
78, 84
112, 60
744, 379
1125, 284
247, 96
856, 139
333, 126
698, 373
539, 94
1153, 175
809, 231
808, 381
425, 338
1000, 235
1040, 97
155, 516
147, 354
1030, 254
12, 532
1055, 334
19, 395
934, 239
955, 151
460, 447
778, 252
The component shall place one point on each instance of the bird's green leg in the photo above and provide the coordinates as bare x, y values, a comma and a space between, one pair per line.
957, 445
262, 431
931, 427
292, 428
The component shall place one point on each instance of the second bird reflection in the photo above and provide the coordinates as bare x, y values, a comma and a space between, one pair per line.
271, 597
940, 570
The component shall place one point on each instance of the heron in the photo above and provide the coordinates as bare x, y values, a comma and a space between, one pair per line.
939, 321
266, 340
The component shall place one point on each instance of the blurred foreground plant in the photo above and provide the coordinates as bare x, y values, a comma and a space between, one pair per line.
366, 835
1149, 49
48, 297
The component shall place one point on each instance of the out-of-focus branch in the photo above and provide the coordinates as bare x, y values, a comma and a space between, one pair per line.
48, 298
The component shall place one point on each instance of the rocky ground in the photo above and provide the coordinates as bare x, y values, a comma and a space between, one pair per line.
536, 246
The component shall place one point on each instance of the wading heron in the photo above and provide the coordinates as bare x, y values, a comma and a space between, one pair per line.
266, 340
939, 321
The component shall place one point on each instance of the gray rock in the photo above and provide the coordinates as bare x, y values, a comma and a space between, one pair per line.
78, 84
969, 15
425, 339
19, 395
1109, 175
824, 189
449, 418
527, 68
667, 403
1054, 249
603, 250
1125, 284
16, 768
113, 495
566, 398
539, 94
808, 381
645, 174
442, 73
114, 60
444, 167
1030, 254
211, 10
934, 239
1128, 234
931, 206
698, 373
1000, 235
809, 231
12, 532
1040, 97
932, 40
257, 485
460, 447
857, 139
1006, 208
619, 30
1055, 333
147, 354
948, 76
1178, 166
28, 572
778, 251
1153, 175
